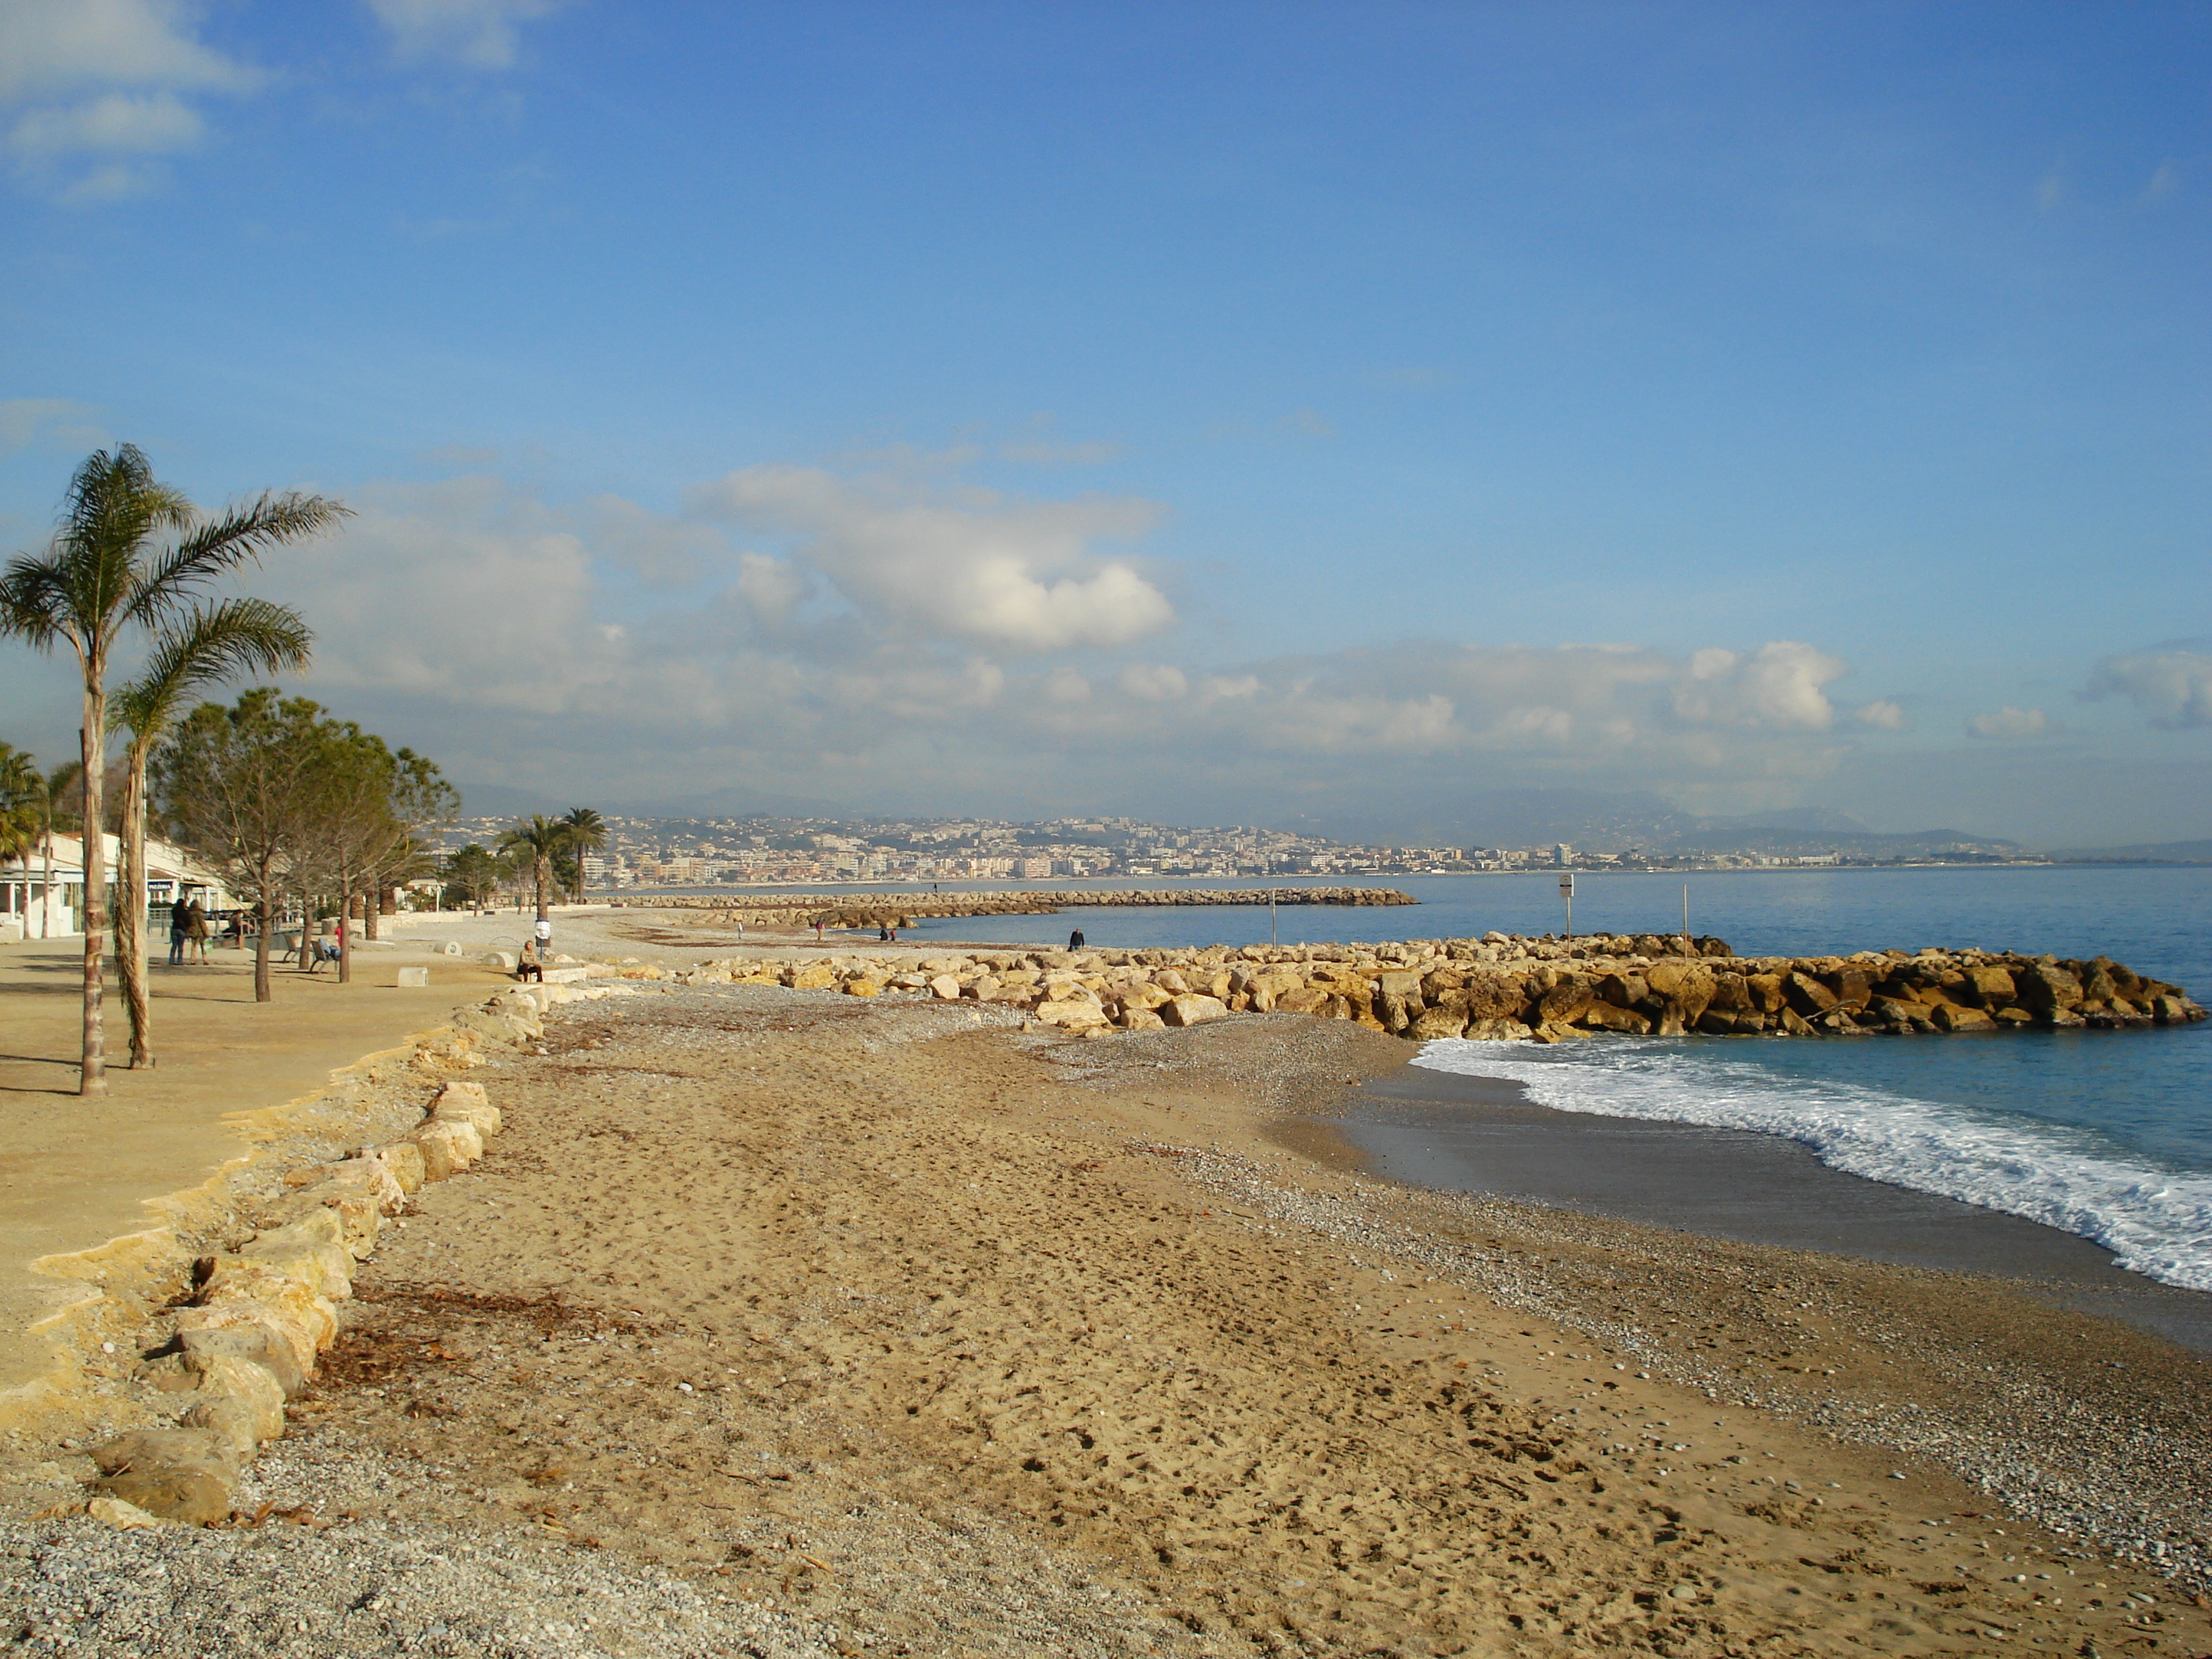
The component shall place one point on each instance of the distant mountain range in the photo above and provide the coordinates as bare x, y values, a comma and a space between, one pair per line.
497, 800
2155, 851
1608, 822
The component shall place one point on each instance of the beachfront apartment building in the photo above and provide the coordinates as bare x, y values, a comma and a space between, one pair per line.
42, 897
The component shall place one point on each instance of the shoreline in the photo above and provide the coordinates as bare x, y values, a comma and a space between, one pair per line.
1456, 1133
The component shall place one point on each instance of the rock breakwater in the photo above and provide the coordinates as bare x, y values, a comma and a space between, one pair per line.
1503, 987
902, 910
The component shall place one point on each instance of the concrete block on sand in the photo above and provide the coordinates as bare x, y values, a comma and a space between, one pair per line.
502, 959
414, 978
567, 975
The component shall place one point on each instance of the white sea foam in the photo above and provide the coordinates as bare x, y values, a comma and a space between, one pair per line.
2156, 1221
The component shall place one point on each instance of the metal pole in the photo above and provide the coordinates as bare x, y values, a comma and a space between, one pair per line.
1686, 918
1271, 915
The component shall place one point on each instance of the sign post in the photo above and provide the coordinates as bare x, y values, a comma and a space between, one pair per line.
1567, 892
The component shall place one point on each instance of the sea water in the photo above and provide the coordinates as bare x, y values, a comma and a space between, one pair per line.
2107, 1134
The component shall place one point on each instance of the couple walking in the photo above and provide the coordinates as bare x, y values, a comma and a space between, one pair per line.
188, 928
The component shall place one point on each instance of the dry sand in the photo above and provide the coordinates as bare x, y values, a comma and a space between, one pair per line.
947, 1341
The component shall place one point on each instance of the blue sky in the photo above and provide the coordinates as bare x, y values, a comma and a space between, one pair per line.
1227, 411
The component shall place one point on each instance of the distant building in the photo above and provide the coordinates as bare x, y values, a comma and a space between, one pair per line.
29, 909
1562, 856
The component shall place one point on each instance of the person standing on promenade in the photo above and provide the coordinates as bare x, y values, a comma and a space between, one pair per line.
178, 922
196, 932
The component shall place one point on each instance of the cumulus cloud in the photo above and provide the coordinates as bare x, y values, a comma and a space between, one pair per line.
1883, 716
2010, 724
866, 634
102, 87
976, 567
2172, 682
476, 33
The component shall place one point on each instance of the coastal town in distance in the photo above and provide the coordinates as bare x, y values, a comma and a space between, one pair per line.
751, 851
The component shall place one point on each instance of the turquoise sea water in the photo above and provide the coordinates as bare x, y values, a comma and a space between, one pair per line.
2105, 1134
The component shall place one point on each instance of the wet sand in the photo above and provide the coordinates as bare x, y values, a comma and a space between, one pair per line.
1476, 1134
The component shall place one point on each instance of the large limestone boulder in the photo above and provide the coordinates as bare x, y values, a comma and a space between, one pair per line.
404, 1159
1444, 1021
178, 1475
1569, 997
241, 1401
1139, 1019
1604, 1016
1806, 995
446, 1148
1077, 1013
1189, 1010
201, 1346
945, 988
2045, 989
1496, 996
1987, 986
467, 1103
1950, 1017
812, 976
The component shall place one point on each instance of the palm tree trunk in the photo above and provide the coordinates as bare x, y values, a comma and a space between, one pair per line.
92, 1075
541, 867
345, 929
130, 914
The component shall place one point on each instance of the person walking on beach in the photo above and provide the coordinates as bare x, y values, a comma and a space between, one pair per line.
1075, 939
195, 932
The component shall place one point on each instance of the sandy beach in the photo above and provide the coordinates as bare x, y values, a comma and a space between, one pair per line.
786, 1321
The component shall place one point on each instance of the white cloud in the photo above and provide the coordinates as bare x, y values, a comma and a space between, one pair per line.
1153, 682
479, 33
1065, 685
528, 618
2010, 724
1778, 685
972, 567
1883, 716
24, 420
2172, 682
49, 46
145, 122
106, 80
771, 588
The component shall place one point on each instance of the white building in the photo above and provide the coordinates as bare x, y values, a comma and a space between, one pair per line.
30, 909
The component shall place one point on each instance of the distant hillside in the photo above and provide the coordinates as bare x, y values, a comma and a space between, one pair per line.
2155, 851
1608, 822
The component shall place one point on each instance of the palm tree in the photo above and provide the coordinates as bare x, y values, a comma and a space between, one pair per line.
207, 644
583, 831
541, 837
105, 573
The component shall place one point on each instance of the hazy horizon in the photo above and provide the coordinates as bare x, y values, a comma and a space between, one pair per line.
1234, 414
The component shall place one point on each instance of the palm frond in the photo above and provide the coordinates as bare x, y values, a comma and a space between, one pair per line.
240, 535
32, 607
207, 645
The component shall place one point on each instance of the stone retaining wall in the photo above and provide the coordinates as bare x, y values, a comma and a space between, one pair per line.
245, 1334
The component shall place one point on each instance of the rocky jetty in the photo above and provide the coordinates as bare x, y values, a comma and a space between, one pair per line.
901, 910
1503, 987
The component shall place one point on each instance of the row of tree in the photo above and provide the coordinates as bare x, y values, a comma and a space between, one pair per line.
288, 802
552, 850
